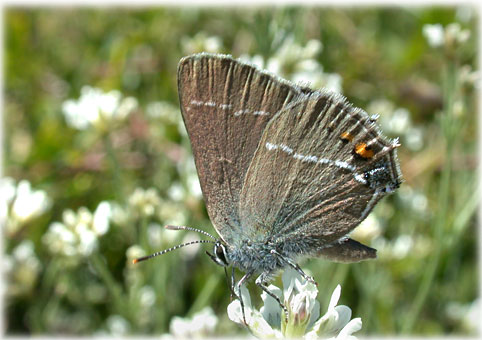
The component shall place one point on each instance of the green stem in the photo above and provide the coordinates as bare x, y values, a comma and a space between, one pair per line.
143, 237
115, 166
205, 295
110, 283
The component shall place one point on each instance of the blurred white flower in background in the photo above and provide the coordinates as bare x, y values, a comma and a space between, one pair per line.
163, 110
176, 191
78, 233
117, 325
299, 297
368, 230
188, 170
414, 199
147, 296
298, 63
19, 204
434, 34
21, 269
201, 42
455, 35
396, 121
134, 252
402, 247
468, 76
449, 36
467, 314
202, 324
155, 235
97, 109
144, 202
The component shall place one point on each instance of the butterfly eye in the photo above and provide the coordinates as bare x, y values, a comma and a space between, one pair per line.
220, 252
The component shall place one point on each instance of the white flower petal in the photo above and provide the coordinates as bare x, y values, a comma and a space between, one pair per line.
335, 297
344, 315
434, 34
271, 311
353, 326
102, 215
234, 312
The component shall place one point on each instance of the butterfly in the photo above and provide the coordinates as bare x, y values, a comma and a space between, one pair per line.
286, 171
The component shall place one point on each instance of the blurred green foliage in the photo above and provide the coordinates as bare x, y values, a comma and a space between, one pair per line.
380, 54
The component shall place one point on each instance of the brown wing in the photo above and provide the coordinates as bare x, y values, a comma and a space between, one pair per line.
320, 168
226, 105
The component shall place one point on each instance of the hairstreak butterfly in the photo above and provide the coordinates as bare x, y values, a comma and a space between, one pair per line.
286, 171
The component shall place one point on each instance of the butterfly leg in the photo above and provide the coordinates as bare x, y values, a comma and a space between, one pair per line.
261, 282
231, 284
238, 289
295, 266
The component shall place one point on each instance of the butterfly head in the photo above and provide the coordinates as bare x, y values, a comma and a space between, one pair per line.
219, 255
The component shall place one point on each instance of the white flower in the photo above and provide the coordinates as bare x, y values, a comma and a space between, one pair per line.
298, 64
164, 111
192, 179
117, 325
397, 122
20, 204
78, 233
155, 234
256, 60
299, 297
201, 43
368, 229
434, 34
147, 296
176, 191
450, 36
454, 34
97, 108
22, 268
144, 202
258, 325
466, 314
201, 324
134, 252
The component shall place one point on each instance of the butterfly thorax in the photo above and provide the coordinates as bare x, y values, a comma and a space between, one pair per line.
254, 256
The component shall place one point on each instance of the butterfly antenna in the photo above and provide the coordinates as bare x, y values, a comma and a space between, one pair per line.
176, 227
168, 250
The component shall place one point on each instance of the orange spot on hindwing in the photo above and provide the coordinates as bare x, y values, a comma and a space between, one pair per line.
363, 150
346, 136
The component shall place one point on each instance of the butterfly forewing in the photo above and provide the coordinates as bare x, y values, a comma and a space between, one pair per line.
226, 106
320, 167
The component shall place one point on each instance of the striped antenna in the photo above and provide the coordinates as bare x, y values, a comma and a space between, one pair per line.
176, 227
170, 249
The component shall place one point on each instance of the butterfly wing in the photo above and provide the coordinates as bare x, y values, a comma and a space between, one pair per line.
226, 106
320, 168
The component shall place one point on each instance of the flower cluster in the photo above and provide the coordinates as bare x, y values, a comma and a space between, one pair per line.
78, 233
298, 63
97, 109
144, 202
449, 36
19, 204
22, 268
201, 42
396, 121
201, 324
299, 297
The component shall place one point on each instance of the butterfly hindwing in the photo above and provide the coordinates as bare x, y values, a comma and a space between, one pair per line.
320, 168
